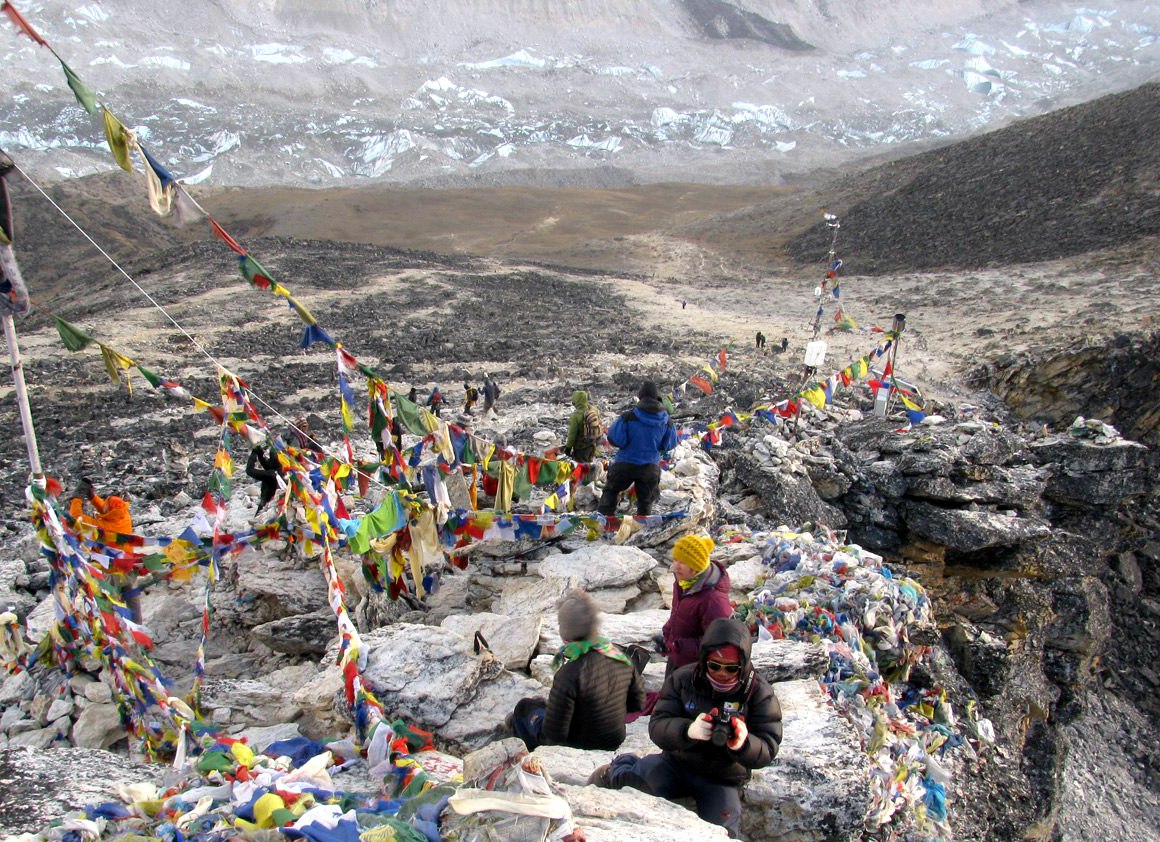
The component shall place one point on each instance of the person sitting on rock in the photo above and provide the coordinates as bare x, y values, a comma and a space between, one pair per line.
700, 596
716, 720
585, 429
643, 434
596, 686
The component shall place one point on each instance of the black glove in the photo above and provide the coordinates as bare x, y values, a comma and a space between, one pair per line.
659, 644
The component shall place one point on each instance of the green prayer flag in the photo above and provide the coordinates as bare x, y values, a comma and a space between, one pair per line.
74, 338
84, 96
149, 376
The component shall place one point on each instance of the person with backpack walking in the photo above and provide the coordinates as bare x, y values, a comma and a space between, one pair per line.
490, 395
470, 396
435, 402
643, 434
585, 429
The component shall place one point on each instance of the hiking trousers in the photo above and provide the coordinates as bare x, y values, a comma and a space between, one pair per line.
664, 777
621, 475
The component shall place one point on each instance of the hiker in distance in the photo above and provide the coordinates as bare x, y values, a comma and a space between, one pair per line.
643, 434
716, 720
490, 395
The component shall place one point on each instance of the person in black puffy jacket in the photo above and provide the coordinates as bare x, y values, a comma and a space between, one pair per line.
716, 720
595, 687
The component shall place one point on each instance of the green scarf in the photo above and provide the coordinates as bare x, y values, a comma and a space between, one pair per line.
688, 584
578, 648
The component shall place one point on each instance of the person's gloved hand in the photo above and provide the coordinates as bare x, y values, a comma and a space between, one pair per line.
701, 728
659, 644
740, 734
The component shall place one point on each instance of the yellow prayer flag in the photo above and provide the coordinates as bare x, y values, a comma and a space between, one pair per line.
119, 138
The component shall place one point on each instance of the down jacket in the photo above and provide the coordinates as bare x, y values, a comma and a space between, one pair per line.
693, 611
687, 693
589, 699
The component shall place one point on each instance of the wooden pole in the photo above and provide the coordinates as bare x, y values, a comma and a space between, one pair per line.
22, 397
896, 328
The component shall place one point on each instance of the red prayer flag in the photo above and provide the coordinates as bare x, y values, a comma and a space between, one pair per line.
230, 241
702, 384
20, 23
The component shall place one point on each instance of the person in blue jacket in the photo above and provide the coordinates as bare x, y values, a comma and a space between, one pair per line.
643, 434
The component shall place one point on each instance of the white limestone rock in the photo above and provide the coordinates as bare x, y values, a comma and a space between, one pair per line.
639, 627
98, 726
786, 660
599, 566
513, 640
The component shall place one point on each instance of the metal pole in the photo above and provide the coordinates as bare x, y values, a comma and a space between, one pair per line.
22, 398
896, 328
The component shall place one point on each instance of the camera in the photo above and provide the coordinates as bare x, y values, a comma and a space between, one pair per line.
722, 731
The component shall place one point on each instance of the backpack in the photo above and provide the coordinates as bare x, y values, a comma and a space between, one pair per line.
591, 427
472, 394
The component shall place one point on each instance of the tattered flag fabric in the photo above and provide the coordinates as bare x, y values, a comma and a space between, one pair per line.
80, 90
160, 182
119, 139
13, 292
7, 229
20, 23
74, 338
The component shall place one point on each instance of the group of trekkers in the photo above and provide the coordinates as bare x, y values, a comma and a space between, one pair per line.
471, 395
714, 720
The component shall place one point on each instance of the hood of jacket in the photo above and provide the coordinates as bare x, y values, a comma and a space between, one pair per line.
651, 413
725, 631
580, 399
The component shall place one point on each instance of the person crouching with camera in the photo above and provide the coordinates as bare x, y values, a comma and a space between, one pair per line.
716, 720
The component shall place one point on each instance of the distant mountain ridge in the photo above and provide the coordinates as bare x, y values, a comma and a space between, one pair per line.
289, 92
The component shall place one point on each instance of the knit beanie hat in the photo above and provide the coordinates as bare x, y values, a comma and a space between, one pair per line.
693, 551
648, 391
578, 616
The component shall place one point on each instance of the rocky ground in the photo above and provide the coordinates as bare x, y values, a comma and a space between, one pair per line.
1046, 633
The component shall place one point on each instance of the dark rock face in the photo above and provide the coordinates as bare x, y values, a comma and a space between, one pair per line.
1081, 179
1117, 381
305, 634
718, 19
1022, 546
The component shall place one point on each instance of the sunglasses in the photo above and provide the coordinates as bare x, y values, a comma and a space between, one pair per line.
717, 666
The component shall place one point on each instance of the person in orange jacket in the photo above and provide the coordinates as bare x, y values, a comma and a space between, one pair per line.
109, 513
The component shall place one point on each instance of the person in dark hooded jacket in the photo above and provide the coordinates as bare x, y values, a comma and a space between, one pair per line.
700, 596
643, 434
716, 720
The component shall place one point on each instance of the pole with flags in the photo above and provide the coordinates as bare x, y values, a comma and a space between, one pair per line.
14, 302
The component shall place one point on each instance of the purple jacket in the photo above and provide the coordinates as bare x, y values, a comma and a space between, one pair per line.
692, 613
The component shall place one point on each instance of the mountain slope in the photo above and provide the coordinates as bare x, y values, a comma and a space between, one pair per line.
1079, 180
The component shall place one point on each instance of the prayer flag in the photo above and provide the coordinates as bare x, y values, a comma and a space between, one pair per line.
84, 96
20, 23
701, 384
119, 138
74, 338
